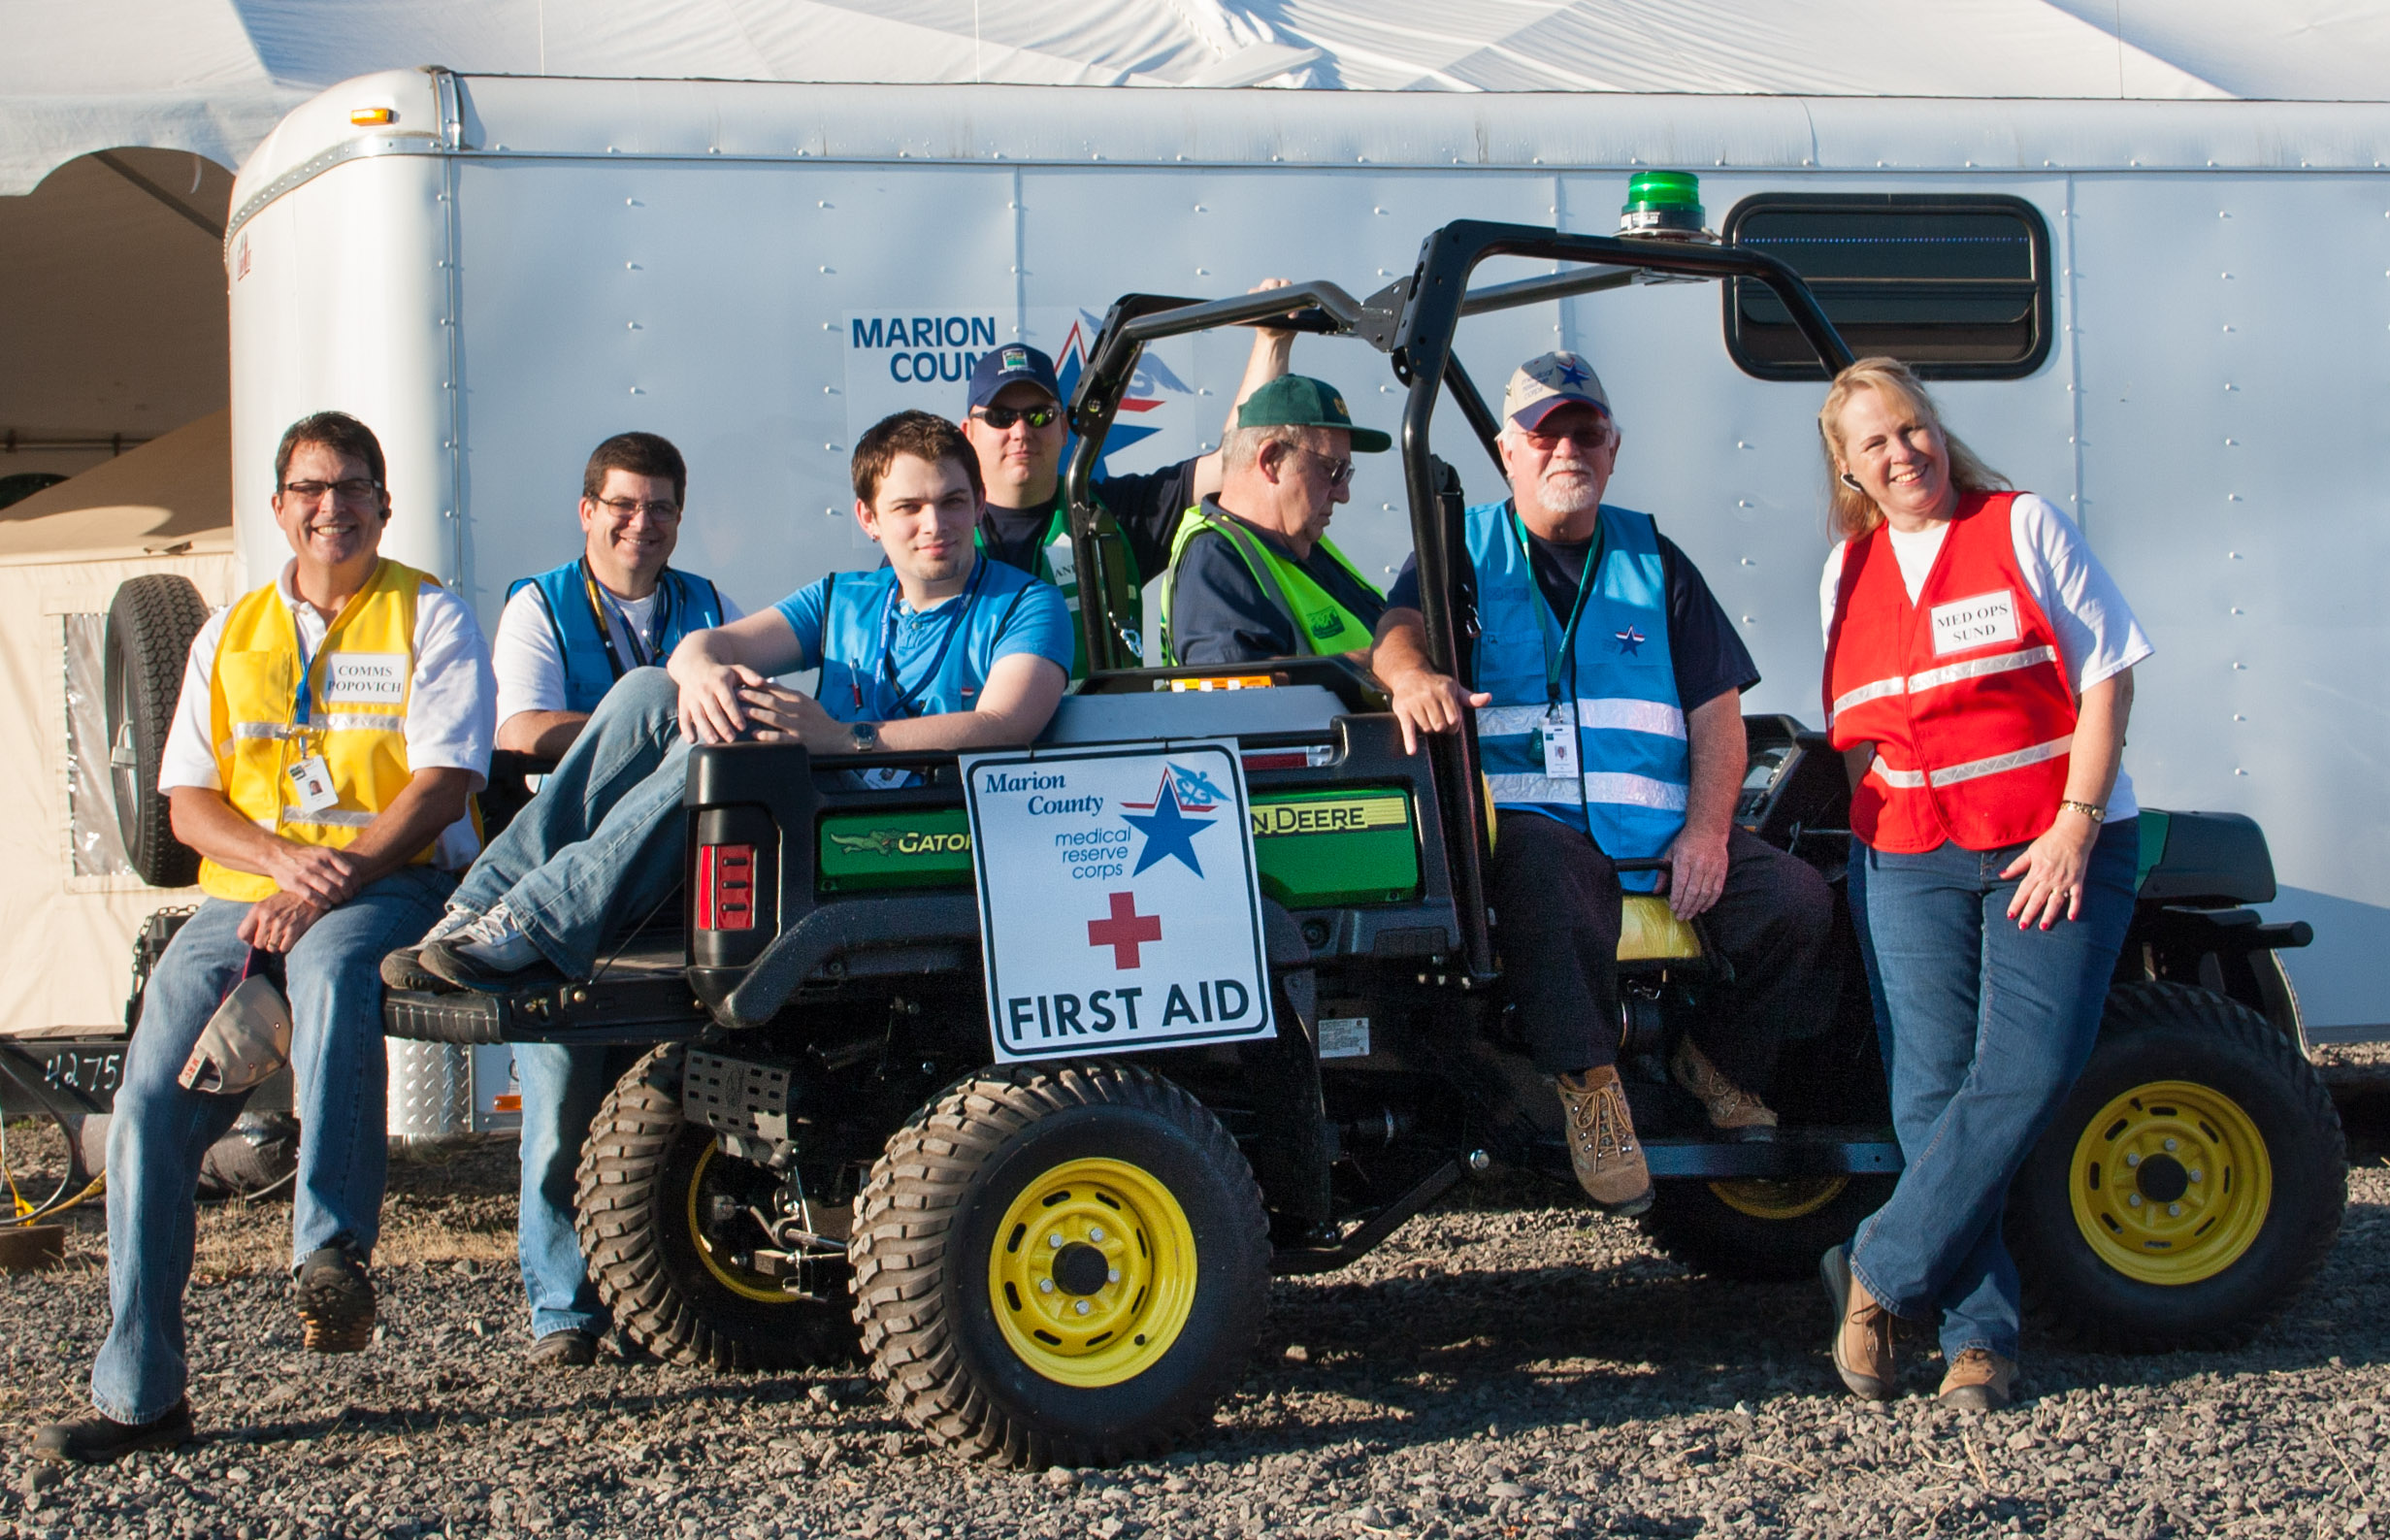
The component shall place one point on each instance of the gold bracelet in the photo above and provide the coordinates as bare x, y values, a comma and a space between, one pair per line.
2095, 814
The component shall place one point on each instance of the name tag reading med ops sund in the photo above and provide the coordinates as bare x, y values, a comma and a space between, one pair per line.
1976, 622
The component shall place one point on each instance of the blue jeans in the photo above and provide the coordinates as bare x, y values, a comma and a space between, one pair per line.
600, 848
562, 1088
1990, 1027
338, 1071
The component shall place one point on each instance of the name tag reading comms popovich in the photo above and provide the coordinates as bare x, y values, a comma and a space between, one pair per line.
1118, 905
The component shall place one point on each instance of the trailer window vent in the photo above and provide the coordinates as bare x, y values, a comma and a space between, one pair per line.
1956, 286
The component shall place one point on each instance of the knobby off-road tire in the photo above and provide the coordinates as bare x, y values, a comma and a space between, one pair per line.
636, 1213
1103, 1180
2199, 1108
1760, 1231
150, 623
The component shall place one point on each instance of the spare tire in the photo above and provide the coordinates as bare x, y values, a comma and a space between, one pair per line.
150, 623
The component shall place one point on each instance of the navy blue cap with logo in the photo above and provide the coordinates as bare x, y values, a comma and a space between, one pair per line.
1011, 364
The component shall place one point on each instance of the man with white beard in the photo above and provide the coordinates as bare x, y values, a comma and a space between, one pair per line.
1606, 684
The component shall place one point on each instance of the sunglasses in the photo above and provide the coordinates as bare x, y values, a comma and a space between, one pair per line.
1003, 417
1337, 472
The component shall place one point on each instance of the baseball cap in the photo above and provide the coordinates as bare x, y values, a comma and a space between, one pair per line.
1298, 401
1550, 380
1009, 363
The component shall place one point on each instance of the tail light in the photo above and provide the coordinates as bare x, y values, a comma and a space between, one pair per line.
726, 887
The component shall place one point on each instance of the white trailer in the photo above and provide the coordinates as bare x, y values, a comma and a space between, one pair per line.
2176, 312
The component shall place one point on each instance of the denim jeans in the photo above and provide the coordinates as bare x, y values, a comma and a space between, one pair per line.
1990, 1027
600, 848
339, 1074
562, 1088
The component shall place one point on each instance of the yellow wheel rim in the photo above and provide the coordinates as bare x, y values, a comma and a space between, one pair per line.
2171, 1183
1763, 1198
737, 1280
1093, 1272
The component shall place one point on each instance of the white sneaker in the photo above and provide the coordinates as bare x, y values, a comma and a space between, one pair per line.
495, 940
455, 919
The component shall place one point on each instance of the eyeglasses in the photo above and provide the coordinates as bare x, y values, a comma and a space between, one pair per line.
355, 489
623, 508
1003, 417
1339, 473
1599, 436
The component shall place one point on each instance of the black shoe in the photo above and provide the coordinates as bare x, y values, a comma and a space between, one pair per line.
404, 969
336, 1301
452, 969
568, 1349
100, 1439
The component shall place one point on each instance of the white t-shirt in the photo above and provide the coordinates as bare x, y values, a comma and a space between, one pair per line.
2098, 636
451, 715
531, 669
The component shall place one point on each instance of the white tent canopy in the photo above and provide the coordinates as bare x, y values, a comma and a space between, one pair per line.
215, 76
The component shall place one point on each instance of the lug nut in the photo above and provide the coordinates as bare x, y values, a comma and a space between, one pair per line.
2131, 1200
1094, 1232
1045, 1285
1055, 1240
1083, 1307
1112, 1275
2173, 1210
2196, 1174
2132, 1159
2170, 1144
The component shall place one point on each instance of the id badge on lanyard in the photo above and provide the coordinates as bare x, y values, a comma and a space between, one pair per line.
1558, 728
1559, 735
310, 778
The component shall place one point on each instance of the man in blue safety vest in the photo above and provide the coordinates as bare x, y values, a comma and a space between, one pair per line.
564, 639
1606, 685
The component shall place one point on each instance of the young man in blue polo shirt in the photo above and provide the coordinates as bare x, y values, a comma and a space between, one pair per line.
936, 651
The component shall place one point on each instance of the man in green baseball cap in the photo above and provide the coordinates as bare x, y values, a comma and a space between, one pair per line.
1253, 574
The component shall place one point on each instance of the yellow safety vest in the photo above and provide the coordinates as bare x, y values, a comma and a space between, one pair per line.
358, 685
1320, 623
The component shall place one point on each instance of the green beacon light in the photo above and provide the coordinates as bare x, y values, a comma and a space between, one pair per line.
1664, 206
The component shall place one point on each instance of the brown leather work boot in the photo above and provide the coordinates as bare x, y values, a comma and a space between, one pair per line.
1601, 1141
1733, 1111
1862, 1329
1981, 1381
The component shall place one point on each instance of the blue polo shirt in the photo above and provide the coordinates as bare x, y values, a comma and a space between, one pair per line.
883, 661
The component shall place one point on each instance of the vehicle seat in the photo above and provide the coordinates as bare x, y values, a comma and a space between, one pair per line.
1648, 932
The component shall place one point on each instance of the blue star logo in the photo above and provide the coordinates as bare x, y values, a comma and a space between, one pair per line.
1169, 831
1570, 373
1630, 641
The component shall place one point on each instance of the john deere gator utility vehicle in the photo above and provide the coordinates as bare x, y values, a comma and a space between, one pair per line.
874, 1121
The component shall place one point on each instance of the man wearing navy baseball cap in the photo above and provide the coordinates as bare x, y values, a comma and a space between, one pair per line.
1013, 419
1606, 684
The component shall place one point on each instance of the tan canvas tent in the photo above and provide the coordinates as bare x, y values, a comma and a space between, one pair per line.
69, 904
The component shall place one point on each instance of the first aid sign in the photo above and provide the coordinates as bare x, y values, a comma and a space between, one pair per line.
1118, 908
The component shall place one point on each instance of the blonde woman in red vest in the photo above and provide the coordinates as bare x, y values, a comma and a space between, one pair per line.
1978, 677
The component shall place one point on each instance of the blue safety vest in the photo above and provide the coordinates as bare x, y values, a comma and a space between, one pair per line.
684, 604
1617, 684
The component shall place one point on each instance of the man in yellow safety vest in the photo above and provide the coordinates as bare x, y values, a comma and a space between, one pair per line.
333, 727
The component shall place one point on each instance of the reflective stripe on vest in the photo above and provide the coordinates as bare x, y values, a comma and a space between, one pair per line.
1963, 692
1632, 752
591, 667
1320, 624
359, 682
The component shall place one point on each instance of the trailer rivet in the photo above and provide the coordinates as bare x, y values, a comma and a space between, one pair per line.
1480, 1161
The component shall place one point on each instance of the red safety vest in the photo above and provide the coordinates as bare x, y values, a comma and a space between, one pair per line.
1962, 692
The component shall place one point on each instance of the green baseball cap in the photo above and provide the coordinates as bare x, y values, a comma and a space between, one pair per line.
1298, 401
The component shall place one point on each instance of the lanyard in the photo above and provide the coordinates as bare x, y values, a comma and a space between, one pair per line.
957, 617
1567, 655
642, 648
303, 702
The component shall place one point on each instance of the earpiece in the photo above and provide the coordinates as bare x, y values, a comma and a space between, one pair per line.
1851, 482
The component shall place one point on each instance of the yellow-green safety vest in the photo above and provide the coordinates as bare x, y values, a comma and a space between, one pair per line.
1320, 624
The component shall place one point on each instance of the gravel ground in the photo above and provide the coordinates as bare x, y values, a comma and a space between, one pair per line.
1509, 1364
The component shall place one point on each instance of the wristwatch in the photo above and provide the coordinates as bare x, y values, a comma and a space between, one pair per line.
864, 735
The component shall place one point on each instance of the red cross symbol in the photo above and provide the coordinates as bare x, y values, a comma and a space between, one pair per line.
1125, 930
